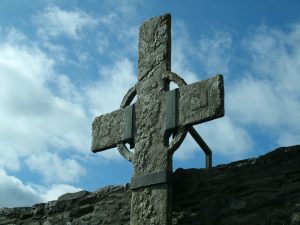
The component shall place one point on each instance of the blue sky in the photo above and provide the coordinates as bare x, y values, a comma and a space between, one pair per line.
64, 62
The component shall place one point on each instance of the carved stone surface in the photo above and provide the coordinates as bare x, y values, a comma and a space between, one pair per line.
150, 204
199, 102
108, 130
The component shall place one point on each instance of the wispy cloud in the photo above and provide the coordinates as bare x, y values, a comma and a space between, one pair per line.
16, 193
227, 138
213, 55
180, 51
54, 22
35, 97
214, 52
115, 80
32, 114
61, 170
37, 123
268, 95
55, 191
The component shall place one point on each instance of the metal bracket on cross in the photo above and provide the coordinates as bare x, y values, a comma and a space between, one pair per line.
162, 177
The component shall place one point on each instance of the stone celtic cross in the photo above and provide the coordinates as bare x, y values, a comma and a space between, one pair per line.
148, 124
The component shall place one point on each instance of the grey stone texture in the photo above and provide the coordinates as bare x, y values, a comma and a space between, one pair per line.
198, 102
110, 205
108, 130
257, 191
201, 101
150, 204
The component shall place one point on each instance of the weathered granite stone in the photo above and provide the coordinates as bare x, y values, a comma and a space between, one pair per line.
143, 125
150, 205
201, 101
257, 191
71, 196
107, 130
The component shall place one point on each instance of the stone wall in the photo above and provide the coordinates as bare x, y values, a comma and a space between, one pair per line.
258, 191
107, 206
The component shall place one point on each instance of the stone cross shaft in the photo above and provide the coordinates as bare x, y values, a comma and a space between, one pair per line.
156, 115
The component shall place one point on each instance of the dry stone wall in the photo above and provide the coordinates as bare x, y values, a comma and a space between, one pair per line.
107, 206
258, 191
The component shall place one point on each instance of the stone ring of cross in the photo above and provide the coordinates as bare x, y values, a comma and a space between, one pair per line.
181, 132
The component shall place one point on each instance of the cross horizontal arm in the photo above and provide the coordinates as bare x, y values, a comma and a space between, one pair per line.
201, 101
107, 130
112, 128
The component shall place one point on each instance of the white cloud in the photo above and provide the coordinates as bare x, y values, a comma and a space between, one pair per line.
259, 102
61, 170
223, 136
14, 193
269, 96
276, 56
57, 190
106, 94
13, 35
34, 119
126, 9
214, 52
28, 104
57, 51
118, 40
102, 42
255, 102
226, 137
180, 50
68, 91
108, 19
44, 113
53, 22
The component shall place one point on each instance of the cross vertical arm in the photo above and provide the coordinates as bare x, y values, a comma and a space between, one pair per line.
151, 203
